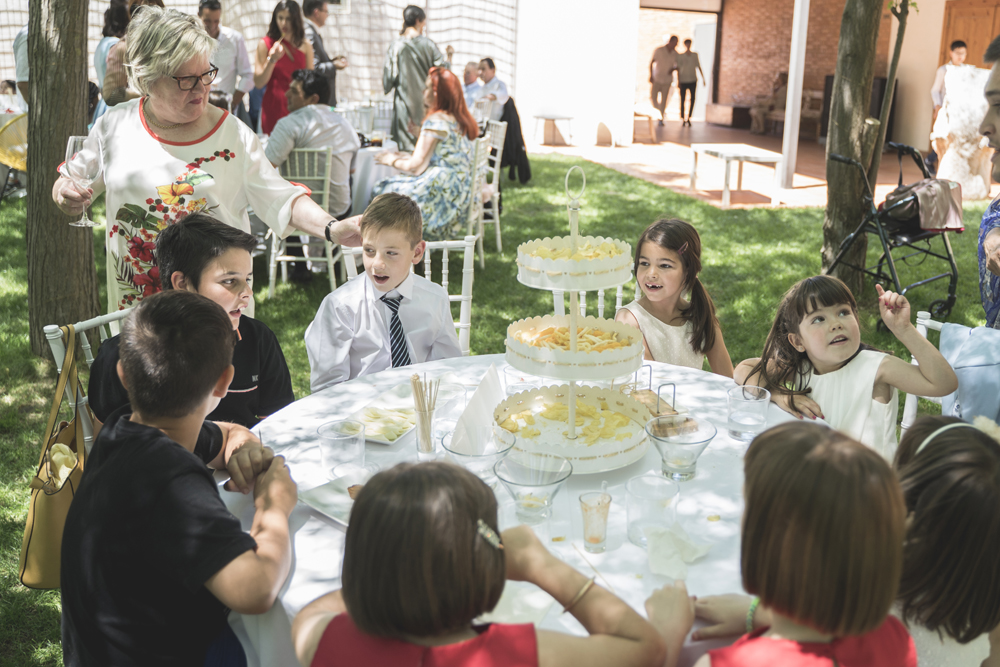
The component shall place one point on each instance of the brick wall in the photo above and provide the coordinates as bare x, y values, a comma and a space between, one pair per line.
756, 42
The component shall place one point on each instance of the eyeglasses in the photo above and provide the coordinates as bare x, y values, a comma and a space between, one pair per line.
189, 82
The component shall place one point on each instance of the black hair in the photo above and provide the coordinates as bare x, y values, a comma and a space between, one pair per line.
992, 54
294, 15
218, 98
412, 15
175, 346
309, 6
957, 44
115, 20
489, 62
192, 243
210, 5
687, 42
313, 84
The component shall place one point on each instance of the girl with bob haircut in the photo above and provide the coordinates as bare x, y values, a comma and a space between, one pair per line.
280, 52
422, 559
675, 314
949, 594
815, 364
822, 547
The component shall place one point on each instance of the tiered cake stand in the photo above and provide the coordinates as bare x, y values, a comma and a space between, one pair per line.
575, 366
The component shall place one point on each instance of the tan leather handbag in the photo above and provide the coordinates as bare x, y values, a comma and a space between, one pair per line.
52, 494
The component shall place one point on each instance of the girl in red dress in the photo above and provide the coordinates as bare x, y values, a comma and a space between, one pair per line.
422, 559
283, 50
822, 547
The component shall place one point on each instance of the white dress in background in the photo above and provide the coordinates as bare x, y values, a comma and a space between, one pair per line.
943, 651
845, 397
668, 344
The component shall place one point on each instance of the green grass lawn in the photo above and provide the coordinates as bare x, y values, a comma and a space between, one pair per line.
750, 258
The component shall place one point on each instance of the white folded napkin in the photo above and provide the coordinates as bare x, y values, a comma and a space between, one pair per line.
478, 414
520, 603
670, 550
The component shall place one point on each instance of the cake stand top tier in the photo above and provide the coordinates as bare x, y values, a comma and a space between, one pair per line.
596, 263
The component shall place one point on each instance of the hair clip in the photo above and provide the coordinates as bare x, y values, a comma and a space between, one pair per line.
680, 251
981, 424
488, 534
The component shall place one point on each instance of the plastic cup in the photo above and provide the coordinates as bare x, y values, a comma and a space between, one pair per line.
747, 412
341, 442
482, 454
533, 482
595, 506
650, 501
680, 441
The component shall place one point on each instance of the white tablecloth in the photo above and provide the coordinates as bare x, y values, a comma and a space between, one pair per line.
318, 544
367, 172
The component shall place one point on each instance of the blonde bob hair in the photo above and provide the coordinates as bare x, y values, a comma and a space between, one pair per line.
159, 42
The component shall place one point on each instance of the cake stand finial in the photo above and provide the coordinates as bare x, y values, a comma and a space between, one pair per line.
574, 205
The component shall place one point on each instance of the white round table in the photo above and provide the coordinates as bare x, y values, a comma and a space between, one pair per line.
366, 172
318, 542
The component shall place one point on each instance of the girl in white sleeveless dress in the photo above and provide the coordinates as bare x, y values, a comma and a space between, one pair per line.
815, 365
675, 330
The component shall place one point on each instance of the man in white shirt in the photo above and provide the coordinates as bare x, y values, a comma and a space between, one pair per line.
470, 78
661, 75
316, 13
493, 88
311, 123
21, 66
235, 76
688, 69
387, 317
959, 51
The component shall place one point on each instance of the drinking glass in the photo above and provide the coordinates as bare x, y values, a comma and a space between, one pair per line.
341, 442
595, 506
650, 501
484, 448
747, 412
83, 166
533, 482
680, 441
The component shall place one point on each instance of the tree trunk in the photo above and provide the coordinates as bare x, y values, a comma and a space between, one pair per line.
852, 86
901, 12
62, 280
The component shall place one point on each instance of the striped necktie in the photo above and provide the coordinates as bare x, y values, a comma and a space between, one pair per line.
397, 341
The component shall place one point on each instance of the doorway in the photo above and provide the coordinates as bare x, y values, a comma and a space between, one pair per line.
975, 22
655, 27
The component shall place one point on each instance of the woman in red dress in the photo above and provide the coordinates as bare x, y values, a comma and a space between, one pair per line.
283, 50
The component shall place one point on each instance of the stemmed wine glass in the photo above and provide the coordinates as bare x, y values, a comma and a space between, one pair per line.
83, 165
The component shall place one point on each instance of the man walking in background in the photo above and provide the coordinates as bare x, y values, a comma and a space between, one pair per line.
316, 13
661, 75
688, 67
235, 76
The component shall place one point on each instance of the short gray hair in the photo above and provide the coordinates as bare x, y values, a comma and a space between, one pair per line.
159, 42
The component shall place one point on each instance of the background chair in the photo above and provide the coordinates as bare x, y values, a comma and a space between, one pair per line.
466, 246
14, 148
311, 168
924, 322
496, 132
58, 346
480, 156
482, 111
559, 302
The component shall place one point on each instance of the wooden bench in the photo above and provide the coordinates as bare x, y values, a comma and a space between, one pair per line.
812, 110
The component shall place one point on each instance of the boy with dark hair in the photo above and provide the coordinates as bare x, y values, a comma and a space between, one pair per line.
152, 561
387, 317
200, 254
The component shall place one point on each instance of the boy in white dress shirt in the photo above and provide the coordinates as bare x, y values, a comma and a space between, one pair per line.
387, 317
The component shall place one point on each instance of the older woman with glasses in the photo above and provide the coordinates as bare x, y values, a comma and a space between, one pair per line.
169, 154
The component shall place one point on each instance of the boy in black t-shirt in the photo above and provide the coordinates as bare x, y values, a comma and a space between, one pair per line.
200, 254
151, 558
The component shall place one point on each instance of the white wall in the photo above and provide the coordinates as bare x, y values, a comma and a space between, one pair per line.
918, 63
577, 58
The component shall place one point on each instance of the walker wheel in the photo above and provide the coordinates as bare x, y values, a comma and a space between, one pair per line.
940, 309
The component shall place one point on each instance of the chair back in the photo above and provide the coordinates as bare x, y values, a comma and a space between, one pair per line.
480, 157
559, 303
54, 336
468, 246
924, 322
14, 143
383, 118
482, 110
496, 132
311, 168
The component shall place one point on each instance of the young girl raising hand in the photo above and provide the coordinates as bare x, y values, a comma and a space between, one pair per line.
815, 364
675, 329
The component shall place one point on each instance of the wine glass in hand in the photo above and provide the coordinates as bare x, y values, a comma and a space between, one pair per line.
83, 166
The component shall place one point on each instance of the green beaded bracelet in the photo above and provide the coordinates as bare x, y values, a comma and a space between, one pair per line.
753, 607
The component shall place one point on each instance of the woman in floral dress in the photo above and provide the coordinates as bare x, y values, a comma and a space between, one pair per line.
438, 174
169, 154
